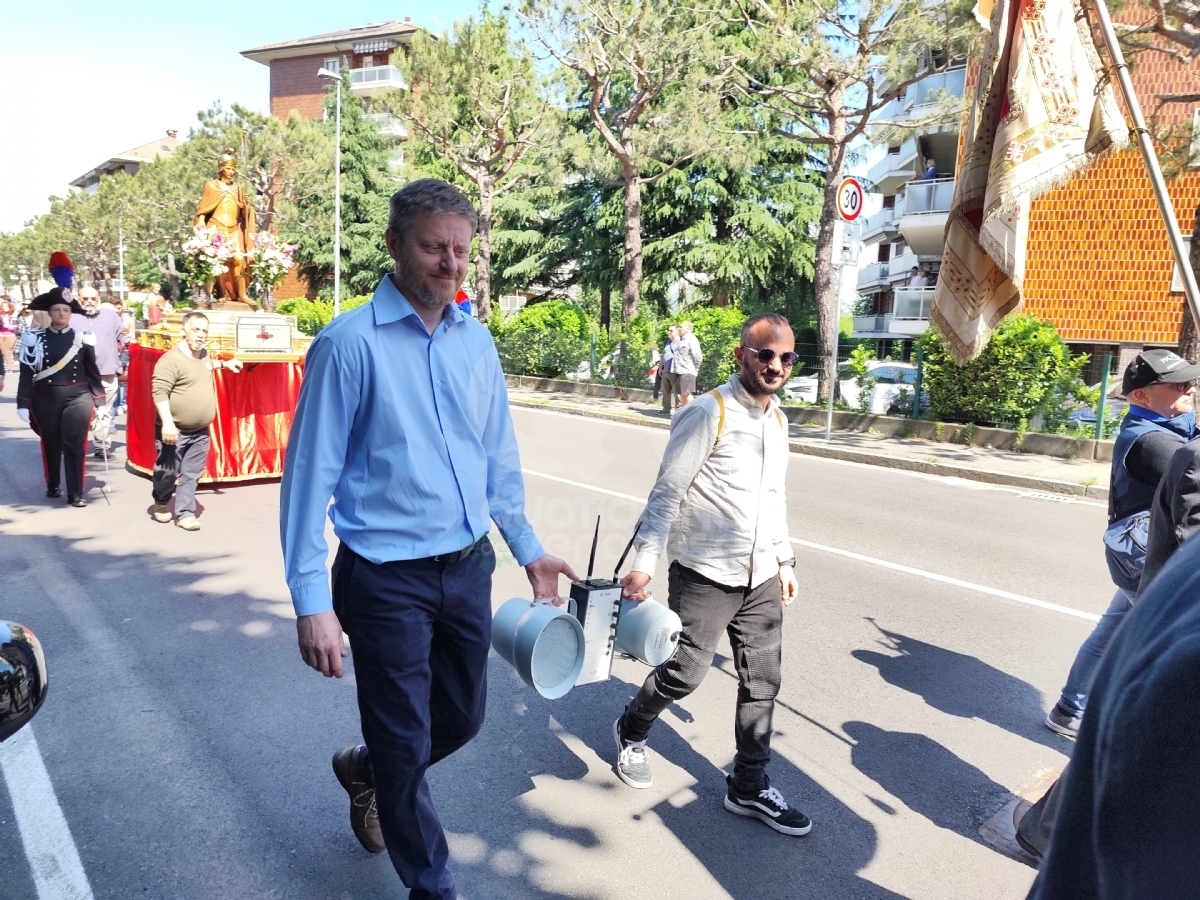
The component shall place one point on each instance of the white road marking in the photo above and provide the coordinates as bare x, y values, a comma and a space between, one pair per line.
870, 560
950, 480
53, 859
946, 579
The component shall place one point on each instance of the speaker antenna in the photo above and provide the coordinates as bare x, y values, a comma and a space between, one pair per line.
628, 547
592, 558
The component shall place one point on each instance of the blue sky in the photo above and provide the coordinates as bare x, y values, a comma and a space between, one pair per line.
86, 80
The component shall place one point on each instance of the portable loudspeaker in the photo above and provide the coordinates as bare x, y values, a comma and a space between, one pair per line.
543, 643
648, 631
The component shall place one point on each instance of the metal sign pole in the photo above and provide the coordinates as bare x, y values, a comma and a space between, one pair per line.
1147, 147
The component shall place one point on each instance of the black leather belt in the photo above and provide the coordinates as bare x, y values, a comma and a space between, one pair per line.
451, 558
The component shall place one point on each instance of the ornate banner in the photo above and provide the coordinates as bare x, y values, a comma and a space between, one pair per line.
1041, 113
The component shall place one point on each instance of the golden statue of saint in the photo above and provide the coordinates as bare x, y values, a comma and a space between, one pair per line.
225, 206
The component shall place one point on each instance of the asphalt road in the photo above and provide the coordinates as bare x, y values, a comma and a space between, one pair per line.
188, 748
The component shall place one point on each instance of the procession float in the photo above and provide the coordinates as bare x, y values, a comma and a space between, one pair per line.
231, 264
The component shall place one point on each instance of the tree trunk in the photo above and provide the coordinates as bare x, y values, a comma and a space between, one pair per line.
606, 305
172, 278
483, 260
1189, 338
631, 287
825, 275
721, 293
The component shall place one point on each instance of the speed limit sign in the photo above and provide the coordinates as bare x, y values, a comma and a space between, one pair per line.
850, 199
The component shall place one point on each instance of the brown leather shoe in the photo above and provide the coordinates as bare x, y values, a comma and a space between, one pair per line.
350, 768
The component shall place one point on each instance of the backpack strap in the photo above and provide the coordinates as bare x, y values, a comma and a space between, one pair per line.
720, 420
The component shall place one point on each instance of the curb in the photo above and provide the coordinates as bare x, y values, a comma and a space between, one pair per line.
865, 457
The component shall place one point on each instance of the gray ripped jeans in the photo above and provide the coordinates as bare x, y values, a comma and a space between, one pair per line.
753, 619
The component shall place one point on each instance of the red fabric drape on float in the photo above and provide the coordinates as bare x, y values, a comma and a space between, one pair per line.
254, 416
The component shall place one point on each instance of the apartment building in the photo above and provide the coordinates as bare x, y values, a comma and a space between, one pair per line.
915, 177
128, 161
367, 50
1098, 267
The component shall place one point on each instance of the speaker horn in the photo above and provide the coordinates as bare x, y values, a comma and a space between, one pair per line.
648, 631
543, 643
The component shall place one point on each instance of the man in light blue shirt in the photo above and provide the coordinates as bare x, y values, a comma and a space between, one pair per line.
403, 420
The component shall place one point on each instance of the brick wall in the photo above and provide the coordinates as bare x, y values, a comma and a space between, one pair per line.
1099, 265
295, 86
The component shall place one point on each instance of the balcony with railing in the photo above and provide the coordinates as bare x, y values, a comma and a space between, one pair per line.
898, 166
870, 326
929, 91
882, 224
902, 266
873, 276
372, 80
389, 126
926, 207
910, 310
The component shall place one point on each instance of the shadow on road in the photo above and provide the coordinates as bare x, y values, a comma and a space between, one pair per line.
190, 747
928, 778
960, 685
743, 855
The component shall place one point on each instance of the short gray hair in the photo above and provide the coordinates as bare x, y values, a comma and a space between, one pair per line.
193, 314
427, 196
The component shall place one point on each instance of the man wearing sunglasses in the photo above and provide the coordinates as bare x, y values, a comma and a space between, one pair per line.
718, 509
1159, 385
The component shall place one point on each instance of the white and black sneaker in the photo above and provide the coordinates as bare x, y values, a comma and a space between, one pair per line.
633, 767
769, 806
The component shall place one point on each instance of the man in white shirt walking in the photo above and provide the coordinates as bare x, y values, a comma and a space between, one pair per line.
719, 509
685, 363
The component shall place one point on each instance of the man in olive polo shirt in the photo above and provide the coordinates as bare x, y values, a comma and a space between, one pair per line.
186, 401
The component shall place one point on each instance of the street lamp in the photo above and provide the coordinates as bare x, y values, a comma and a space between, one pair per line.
337, 194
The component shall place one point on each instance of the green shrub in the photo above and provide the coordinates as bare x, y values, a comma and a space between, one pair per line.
313, 315
632, 351
719, 330
859, 357
547, 340
1026, 370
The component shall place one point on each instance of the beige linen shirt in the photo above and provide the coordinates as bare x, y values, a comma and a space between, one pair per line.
719, 504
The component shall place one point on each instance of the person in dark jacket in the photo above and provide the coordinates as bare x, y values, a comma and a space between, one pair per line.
1159, 386
59, 387
1129, 819
1175, 514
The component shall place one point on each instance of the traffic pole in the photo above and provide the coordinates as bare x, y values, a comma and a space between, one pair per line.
1102, 405
916, 410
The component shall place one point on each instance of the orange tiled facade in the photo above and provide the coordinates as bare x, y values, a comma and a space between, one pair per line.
1099, 265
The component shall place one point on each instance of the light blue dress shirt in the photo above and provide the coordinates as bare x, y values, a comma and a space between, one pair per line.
410, 434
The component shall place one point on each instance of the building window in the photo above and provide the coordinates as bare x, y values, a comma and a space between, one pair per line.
333, 65
368, 62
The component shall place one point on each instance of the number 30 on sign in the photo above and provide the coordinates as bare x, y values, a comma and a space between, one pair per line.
850, 199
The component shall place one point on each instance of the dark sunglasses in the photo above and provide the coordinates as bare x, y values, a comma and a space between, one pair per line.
787, 358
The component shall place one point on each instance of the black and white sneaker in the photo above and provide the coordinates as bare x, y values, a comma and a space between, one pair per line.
768, 806
633, 767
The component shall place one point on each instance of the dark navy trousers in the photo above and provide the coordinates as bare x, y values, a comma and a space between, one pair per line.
419, 632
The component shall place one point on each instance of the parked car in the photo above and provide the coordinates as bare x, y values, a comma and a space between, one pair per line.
802, 387
891, 378
604, 370
1114, 411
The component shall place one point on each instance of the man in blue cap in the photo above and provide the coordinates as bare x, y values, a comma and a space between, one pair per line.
1159, 385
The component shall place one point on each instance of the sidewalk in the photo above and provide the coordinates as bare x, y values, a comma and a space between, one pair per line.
1080, 478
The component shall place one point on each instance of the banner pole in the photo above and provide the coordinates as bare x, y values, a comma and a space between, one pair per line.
1152, 167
